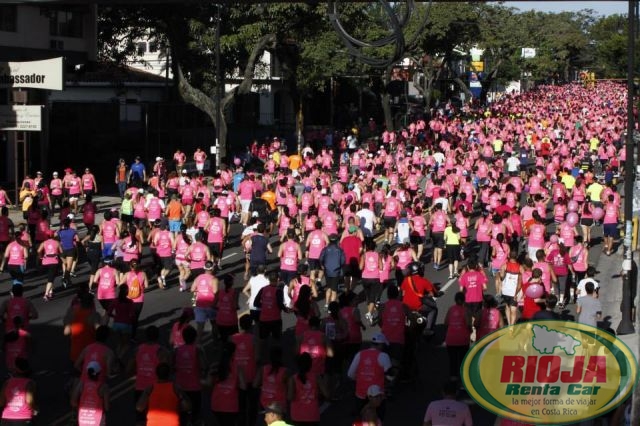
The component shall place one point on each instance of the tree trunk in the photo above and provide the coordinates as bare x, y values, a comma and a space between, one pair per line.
463, 87
209, 105
385, 100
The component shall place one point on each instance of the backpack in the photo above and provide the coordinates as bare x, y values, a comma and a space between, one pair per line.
135, 289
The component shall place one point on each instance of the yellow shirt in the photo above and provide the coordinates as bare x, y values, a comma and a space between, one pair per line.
451, 238
276, 158
497, 145
594, 191
568, 181
594, 143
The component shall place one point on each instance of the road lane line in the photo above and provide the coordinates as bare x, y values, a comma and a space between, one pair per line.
228, 256
448, 284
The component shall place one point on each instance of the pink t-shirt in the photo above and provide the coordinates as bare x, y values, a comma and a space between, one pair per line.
448, 412
473, 282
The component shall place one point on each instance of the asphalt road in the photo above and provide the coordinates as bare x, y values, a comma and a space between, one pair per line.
161, 307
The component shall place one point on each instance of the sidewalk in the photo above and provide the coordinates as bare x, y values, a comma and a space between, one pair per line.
609, 268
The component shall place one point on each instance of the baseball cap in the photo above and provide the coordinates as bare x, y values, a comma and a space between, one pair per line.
374, 390
38, 172
380, 339
94, 367
274, 408
70, 216
68, 170
184, 171
140, 191
158, 158
55, 173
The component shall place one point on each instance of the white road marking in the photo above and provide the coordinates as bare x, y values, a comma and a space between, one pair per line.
228, 256
448, 284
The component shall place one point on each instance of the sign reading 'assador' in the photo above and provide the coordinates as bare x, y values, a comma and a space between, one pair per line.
46, 74
549, 372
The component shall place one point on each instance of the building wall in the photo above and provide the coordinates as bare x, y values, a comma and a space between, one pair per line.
33, 31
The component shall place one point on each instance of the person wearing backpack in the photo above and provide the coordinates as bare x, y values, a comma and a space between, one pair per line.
332, 260
136, 281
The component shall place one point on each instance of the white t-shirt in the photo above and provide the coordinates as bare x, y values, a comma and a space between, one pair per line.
369, 218
583, 282
256, 283
448, 412
383, 360
513, 164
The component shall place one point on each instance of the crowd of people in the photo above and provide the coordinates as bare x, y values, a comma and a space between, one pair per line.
503, 198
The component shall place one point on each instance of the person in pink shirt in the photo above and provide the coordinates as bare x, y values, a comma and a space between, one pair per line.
246, 191
473, 282
458, 334
199, 157
448, 411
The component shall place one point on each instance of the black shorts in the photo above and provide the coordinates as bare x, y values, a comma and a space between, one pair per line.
438, 239
352, 269
166, 262
390, 222
416, 239
215, 249
226, 331
586, 222
509, 301
453, 252
372, 289
314, 264
474, 308
270, 328
126, 218
52, 271
332, 282
72, 252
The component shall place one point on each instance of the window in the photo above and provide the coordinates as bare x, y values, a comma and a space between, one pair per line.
153, 46
141, 48
8, 18
65, 23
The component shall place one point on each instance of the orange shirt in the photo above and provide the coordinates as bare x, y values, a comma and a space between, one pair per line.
270, 197
295, 161
174, 210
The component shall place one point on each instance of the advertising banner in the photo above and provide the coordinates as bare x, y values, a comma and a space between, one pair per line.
549, 372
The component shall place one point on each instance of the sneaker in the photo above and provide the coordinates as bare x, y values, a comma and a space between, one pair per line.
450, 277
369, 317
65, 283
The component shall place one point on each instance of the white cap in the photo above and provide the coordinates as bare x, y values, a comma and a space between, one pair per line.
94, 366
380, 339
140, 191
184, 171
55, 173
158, 158
70, 216
255, 214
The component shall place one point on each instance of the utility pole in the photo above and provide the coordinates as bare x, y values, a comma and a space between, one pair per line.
626, 325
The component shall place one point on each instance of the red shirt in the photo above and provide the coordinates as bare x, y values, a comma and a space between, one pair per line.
530, 306
412, 298
351, 246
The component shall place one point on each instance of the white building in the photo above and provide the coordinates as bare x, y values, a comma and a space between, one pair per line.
268, 104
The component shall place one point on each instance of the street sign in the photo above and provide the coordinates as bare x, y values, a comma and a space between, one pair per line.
21, 117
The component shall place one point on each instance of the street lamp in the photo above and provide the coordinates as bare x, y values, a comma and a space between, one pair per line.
626, 325
219, 87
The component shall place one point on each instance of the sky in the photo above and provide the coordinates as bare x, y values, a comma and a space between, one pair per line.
601, 7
